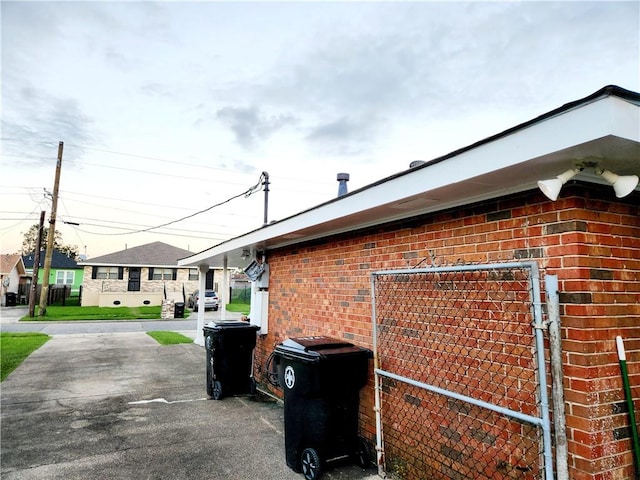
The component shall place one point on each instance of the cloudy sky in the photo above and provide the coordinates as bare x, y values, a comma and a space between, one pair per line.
171, 108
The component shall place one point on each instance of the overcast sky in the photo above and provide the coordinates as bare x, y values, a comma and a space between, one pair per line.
169, 108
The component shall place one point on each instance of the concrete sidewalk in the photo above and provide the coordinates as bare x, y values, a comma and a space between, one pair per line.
120, 406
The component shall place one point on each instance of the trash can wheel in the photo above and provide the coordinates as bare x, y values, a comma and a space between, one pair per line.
310, 461
210, 379
216, 393
363, 455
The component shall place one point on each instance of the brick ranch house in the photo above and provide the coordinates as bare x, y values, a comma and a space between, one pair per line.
480, 205
142, 275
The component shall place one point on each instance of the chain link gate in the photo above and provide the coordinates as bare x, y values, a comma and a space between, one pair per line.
461, 383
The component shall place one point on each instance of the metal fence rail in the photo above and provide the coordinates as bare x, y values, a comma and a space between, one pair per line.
460, 374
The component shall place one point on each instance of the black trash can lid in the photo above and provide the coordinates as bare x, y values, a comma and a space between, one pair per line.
317, 347
229, 325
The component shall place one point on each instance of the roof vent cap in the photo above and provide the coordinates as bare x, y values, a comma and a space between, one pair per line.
343, 178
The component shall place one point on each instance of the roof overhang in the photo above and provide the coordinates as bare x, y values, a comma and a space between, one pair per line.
602, 128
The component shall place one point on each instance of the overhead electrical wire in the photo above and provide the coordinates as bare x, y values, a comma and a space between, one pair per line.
246, 193
313, 181
186, 235
147, 172
107, 224
33, 212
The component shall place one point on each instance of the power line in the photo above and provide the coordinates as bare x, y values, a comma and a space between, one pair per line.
147, 172
149, 157
17, 140
246, 193
185, 235
107, 224
11, 227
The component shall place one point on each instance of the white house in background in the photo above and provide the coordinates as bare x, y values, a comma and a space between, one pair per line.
12, 275
142, 275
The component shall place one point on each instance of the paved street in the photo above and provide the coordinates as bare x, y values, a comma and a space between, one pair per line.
10, 316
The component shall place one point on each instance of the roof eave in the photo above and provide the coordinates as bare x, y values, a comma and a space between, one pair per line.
603, 127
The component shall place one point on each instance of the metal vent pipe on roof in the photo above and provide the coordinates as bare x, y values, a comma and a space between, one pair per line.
343, 178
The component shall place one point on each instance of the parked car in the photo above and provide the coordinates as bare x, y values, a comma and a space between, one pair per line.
211, 301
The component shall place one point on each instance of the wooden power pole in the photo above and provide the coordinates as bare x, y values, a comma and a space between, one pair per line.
44, 293
36, 267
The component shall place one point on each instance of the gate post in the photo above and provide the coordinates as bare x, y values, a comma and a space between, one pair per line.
557, 389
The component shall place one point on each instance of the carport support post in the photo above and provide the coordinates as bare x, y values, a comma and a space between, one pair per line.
202, 277
225, 290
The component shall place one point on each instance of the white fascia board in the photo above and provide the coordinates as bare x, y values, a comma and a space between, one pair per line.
624, 119
575, 127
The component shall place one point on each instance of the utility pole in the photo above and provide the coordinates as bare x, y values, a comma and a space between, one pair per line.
44, 294
265, 177
36, 268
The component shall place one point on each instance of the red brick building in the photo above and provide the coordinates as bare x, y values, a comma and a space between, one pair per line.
479, 205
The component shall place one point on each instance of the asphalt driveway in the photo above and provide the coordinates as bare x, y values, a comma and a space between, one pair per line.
120, 406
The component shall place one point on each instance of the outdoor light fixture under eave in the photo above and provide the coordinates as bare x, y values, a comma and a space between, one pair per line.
245, 254
623, 185
551, 188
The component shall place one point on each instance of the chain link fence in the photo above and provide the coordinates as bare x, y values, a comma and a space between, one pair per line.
459, 391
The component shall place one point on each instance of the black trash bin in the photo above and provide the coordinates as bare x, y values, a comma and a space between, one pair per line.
10, 299
321, 378
178, 310
229, 348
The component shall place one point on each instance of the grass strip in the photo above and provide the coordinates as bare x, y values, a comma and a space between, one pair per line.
56, 313
239, 307
15, 347
168, 338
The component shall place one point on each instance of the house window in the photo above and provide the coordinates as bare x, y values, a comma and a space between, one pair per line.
65, 277
193, 274
107, 272
162, 273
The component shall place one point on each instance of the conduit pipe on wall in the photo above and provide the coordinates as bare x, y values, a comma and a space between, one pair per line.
622, 358
557, 376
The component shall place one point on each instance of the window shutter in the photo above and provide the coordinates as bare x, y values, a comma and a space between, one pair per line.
175, 274
120, 273
94, 272
150, 273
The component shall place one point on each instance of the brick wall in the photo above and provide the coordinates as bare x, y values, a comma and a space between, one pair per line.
590, 239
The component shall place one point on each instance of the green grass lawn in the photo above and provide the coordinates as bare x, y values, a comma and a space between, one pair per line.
168, 338
96, 313
15, 347
238, 307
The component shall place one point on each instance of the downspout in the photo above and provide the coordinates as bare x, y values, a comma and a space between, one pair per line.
557, 376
